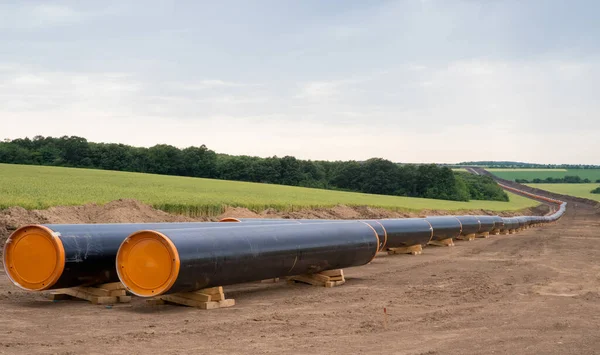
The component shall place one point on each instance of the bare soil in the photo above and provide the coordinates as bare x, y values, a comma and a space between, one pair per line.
536, 292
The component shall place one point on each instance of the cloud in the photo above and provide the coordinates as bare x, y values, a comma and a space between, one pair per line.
318, 90
23, 16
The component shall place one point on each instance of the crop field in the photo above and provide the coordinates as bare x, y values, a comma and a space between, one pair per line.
38, 187
579, 190
530, 174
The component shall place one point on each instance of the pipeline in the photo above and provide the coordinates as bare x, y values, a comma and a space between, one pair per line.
201, 254
51, 256
157, 262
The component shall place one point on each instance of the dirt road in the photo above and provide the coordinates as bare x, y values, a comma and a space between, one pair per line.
537, 292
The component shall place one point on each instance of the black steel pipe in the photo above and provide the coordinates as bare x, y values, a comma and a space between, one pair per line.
156, 262
376, 224
51, 256
486, 224
498, 224
406, 232
444, 227
470, 225
511, 223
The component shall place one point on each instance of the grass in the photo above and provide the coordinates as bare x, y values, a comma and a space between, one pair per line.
530, 174
38, 187
578, 190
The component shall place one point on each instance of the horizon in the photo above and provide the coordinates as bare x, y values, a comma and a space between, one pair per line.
411, 81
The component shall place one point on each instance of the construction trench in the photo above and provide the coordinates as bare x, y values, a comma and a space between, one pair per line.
189, 263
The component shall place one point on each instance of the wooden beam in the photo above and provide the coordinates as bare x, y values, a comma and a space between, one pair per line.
448, 242
413, 250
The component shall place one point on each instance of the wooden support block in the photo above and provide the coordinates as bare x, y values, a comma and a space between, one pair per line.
512, 231
268, 281
333, 273
413, 250
467, 237
59, 297
155, 302
113, 286
100, 294
124, 299
104, 300
505, 232
209, 298
496, 232
329, 278
484, 235
448, 242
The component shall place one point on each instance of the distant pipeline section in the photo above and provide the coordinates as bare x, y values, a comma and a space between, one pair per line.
161, 258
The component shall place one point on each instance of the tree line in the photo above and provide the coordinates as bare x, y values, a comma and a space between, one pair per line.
520, 165
568, 179
376, 176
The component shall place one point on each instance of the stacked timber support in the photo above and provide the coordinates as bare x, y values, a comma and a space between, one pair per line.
448, 242
329, 278
109, 293
413, 250
208, 298
467, 237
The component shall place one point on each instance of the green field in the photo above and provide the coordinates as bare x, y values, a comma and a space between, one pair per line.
530, 174
579, 190
37, 187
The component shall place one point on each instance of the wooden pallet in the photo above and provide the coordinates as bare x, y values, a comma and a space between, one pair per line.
208, 298
483, 235
413, 250
512, 231
329, 278
467, 237
495, 232
505, 232
448, 242
109, 293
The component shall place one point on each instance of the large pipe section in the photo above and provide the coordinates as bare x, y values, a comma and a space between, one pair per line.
444, 227
392, 233
470, 225
407, 232
156, 262
50, 256
486, 224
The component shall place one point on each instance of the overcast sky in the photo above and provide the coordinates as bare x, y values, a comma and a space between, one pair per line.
410, 81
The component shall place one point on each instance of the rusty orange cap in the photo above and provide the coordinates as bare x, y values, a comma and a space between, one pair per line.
229, 219
34, 257
148, 263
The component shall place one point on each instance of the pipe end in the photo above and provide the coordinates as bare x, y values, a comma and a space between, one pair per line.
148, 263
229, 219
34, 257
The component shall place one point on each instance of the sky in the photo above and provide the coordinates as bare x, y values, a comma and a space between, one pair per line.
410, 81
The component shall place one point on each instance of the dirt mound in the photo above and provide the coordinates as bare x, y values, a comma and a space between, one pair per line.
238, 212
366, 212
119, 211
13, 217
